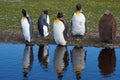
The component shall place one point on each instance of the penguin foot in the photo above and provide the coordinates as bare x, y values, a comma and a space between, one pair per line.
78, 36
29, 43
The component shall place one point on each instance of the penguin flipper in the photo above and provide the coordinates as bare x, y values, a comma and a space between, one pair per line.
31, 25
66, 31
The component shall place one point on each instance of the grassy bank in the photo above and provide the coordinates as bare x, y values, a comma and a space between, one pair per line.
10, 11
10, 16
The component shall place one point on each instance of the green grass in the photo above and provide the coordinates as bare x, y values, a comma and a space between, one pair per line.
10, 11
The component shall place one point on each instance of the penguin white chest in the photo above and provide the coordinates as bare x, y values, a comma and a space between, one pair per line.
78, 24
58, 28
25, 28
48, 20
45, 28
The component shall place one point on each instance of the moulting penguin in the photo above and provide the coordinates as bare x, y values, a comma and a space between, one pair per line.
78, 22
43, 24
107, 27
60, 30
27, 26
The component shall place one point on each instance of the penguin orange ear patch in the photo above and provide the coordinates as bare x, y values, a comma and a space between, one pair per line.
23, 17
57, 20
77, 13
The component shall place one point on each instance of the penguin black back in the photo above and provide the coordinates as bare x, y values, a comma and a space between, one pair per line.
66, 31
42, 21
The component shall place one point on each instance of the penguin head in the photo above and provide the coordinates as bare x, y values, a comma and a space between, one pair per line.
24, 12
107, 12
78, 7
45, 12
59, 15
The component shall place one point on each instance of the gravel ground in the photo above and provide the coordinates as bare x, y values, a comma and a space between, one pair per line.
90, 39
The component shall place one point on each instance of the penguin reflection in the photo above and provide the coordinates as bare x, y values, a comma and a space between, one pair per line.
43, 55
78, 60
107, 61
27, 59
60, 60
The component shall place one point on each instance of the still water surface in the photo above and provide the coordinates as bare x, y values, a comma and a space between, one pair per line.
52, 62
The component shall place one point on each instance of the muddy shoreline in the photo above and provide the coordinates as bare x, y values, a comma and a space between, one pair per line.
90, 39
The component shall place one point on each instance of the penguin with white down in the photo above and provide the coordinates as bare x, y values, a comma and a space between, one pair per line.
27, 26
60, 30
78, 22
43, 24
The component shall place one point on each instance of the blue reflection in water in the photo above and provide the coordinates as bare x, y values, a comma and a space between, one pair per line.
60, 60
43, 56
52, 62
107, 61
78, 60
27, 59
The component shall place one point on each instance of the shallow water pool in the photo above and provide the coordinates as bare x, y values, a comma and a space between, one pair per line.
52, 62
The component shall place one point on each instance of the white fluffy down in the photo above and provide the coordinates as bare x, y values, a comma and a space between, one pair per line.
58, 29
26, 29
78, 24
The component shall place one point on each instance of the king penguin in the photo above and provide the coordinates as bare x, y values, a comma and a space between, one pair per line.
60, 30
27, 26
43, 24
78, 22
